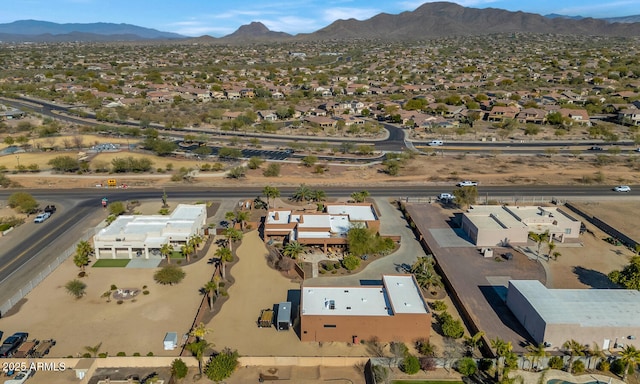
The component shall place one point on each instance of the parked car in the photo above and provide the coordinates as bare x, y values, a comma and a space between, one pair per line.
12, 343
436, 143
637, 149
467, 183
51, 209
42, 217
21, 377
445, 197
596, 148
622, 188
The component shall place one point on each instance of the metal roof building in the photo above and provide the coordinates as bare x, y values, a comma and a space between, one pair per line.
608, 317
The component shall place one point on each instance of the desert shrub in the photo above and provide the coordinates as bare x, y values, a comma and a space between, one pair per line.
86, 355
328, 266
179, 369
438, 305
578, 367
351, 262
425, 347
121, 354
618, 366
169, 275
145, 292
136, 354
222, 365
119, 302
556, 362
410, 365
604, 366
150, 354
467, 366
103, 355
113, 287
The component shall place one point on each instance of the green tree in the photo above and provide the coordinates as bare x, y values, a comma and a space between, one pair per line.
474, 342
225, 255
272, 170
450, 327
467, 366
410, 365
254, 162
535, 353
539, 238
179, 369
351, 262
23, 202
573, 348
503, 349
361, 240
166, 250
198, 349
80, 260
64, 164
76, 288
211, 288
629, 276
169, 275
309, 161
222, 365
232, 235
229, 153
293, 249
237, 172
117, 208
630, 356
271, 193
359, 197
242, 217
303, 193
466, 196
425, 273
187, 249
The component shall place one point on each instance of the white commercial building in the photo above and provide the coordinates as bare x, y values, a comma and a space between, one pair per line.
144, 235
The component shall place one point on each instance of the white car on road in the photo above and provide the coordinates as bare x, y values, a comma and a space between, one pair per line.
467, 183
42, 217
622, 188
446, 197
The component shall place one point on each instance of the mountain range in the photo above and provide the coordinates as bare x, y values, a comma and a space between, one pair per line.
430, 20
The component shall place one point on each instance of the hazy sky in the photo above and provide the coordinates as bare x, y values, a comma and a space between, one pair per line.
221, 17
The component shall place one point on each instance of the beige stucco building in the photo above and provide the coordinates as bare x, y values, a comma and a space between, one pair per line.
607, 317
393, 311
494, 225
320, 228
132, 236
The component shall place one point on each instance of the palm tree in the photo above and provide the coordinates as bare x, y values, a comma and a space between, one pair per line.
596, 352
76, 288
187, 250
539, 238
166, 250
425, 273
211, 288
550, 246
556, 254
198, 348
93, 350
303, 193
200, 331
575, 349
474, 342
535, 353
80, 260
232, 235
84, 248
230, 217
359, 197
242, 217
271, 193
318, 195
503, 349
224, 254
293, 249
630, 356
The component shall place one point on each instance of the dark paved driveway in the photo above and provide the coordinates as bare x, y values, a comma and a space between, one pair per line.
478, 283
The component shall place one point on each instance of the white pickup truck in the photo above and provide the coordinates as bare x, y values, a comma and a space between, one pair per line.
467, 183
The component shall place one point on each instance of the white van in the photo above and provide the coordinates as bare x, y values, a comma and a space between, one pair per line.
436, 143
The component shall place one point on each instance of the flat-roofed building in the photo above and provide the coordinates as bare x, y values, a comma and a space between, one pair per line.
493, 225
144, 235
607, 317
393, 311
319, 228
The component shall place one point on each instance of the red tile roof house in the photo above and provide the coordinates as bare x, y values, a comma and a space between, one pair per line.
500, 113
323, 229
532, 116
321, 121
580, 116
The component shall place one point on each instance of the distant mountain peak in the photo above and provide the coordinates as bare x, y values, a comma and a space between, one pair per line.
255, 31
